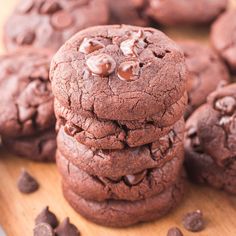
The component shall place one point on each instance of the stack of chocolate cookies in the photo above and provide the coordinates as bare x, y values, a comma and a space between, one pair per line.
27, 118
210, 143
119, 101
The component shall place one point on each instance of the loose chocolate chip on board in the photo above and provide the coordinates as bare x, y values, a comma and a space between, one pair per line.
67, 229
193, 221
61, 20
174, 232
26, 183
43, 229
46, 216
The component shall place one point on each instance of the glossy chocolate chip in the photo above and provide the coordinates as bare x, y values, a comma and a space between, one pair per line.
67, 229
61, 20
193, 221
226, 104
90, 45
43, 229
128, 70
102, 64
135, 178
26, 38
25, 6
49, 7
71, 129
174, 232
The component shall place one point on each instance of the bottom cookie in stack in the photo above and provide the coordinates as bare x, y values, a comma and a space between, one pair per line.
40, 147
210, 141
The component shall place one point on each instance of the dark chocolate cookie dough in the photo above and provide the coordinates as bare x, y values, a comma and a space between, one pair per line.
187, 12
206, 72
201, 167
26, 104
124, 213
40, 147
49, 23
118, 73
223, 37
116, 163
132, 187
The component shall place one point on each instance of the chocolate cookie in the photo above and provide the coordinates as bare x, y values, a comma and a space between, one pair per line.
107, 134
118, 73
216, 125
172, 12
40, 147
124, 213
116, 163
200, 166
26, 104
127, 12
49, 23
206, 72
133, 187
223, 37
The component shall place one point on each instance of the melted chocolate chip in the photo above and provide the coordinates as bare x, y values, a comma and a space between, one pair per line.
49, 7
135, 178
102, 64
174, 232
226, 104
61, 20
71, 129
193, 221
67, 229
128, 70
26, 183
90, 45
25, 38
25, 6
43, 229
47, 217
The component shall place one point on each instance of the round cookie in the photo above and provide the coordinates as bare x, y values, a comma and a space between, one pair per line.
144, 184
118, 73
216, 125
206, 72
127, 12
124, 213
201, 167
41, 147
107, 134
116, 163
223, 37
26, 106
182, 12
49, 23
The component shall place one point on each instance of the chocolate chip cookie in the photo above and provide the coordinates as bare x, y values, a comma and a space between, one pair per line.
172, 12
49, 23
26, 104
118, 73
206, 72
223, 37
40, 147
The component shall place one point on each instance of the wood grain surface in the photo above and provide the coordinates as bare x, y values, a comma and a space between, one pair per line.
17, 211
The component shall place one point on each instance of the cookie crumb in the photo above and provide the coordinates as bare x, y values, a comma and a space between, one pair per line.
174, 231
67, 229
27, 183
43, 229
193, 221
46, 216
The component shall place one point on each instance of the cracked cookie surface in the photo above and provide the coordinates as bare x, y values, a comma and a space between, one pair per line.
49, 23
118, 73
26, 106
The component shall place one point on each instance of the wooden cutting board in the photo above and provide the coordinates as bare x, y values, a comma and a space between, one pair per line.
17, 211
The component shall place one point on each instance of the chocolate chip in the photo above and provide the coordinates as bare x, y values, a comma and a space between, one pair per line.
67, 229
102, 64
46, 216
90, 45
25, 38
128, 70
71, 129
61, 20
25, 6
49, 7
226, 104
26, 183
43, 229
135, 178
174, 232
193, 221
